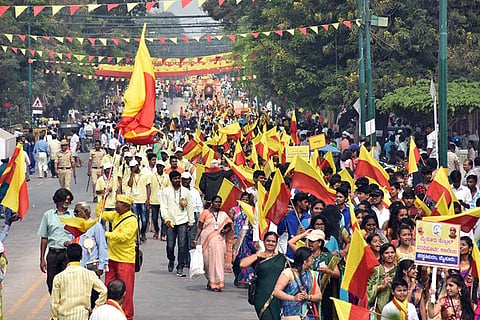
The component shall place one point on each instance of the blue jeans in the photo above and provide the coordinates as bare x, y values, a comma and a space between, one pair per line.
140, 209
178, 232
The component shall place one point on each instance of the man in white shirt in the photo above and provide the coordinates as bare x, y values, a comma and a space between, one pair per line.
461, 192
197, 207
177, 211
75, 147
112, 309
383, 214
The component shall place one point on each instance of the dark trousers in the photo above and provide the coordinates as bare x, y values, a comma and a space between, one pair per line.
155, 215
51, 165
140, 209
178, 232
56, 263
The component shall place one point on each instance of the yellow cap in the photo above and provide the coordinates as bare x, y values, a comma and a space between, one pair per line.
64, 142
125, 198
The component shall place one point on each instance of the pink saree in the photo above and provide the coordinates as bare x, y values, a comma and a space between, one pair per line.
214, 247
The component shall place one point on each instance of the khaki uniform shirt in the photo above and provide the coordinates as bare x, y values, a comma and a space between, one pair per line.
64, 159
96, 158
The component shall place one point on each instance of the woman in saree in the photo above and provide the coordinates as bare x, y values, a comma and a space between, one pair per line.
214, 226
268, 266
323, 262
298, 288
244, 245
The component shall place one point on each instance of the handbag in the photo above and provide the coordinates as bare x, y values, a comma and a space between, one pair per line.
252, 290
196, 262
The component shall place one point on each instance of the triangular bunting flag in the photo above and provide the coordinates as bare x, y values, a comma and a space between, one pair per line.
70, 39
267, 33
32, 52
9, 37
111, 6
255, 35
23, 51
201, 2
131, 5
291, 31
127, 40
219, 38
92, 41
19, 10
80, 40
279, 32
56, 8
149, 39
59, 39
37, 10
209, 38
314, 29
303, 31
74, 8
325, 26
335, 25
185, 3
174, 40
4, 48
34, 37
103, 41
231, 37
150, 5
79, 57
3, 9
40, 53
115, 40
220, 2
167, 5
59, 55
348, 24
357, 22
69, 56
197, 39
91, 7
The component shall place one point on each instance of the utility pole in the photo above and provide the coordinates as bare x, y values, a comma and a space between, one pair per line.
442, 88
370, 97
30, 76
361, 67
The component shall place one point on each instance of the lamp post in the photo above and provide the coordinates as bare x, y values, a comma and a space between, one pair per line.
442, 88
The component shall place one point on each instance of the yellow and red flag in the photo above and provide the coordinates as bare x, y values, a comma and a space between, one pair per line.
327, 161
244, 174
348, 311
138, 114
230, 193
439, 186
476, 261
305, 178
293, 129
261, 213
422, 206
232, 131
192, 149
353, 216
359, 266
441, 207
239, 155
77, 226
278, 199
413, 157
16, 197
367, 166
248, 210
466, 220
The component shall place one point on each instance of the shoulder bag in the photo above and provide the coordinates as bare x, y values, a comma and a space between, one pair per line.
138, 252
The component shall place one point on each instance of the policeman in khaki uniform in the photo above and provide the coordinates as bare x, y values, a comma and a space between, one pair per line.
64, 164
95, 165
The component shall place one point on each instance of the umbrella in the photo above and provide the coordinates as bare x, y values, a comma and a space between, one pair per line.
328, 148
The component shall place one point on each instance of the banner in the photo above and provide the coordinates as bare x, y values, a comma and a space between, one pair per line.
318, 141
302, 151
437, 244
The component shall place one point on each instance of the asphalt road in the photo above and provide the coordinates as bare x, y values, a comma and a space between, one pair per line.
158, 293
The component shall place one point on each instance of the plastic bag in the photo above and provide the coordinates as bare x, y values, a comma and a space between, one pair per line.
196, 262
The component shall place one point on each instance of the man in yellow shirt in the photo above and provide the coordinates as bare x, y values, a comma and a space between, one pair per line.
106, 187
72, 289
121, 248
139, 189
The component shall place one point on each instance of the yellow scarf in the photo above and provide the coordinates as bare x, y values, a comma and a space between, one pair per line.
402, 306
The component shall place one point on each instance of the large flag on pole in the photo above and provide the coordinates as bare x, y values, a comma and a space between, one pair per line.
138, 114
359, 266
16, 197
439, 186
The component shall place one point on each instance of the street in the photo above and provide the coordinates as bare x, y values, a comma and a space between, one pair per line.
158, 293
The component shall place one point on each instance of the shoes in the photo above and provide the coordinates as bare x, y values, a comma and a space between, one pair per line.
45, 174
170, 266
180, 273
163, 238
155, 236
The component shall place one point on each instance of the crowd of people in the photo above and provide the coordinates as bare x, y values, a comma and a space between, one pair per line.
297, 265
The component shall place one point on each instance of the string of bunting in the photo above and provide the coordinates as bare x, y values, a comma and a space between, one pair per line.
222, 57
175, 40
73, 8
121, 79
